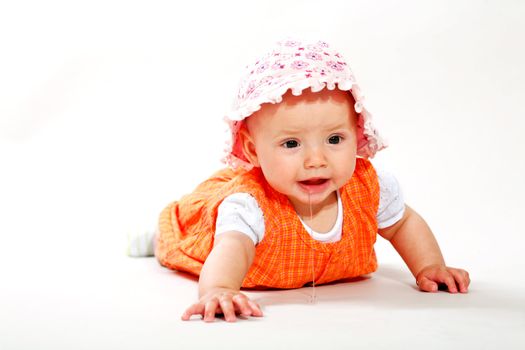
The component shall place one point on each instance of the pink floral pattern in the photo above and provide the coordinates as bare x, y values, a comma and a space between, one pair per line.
291, 43
314, 47
263, 66
278, 65
313, 56
266, 80
335, 65
299, 64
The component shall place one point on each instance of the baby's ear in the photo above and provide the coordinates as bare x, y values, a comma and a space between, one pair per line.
362, 141
248, 146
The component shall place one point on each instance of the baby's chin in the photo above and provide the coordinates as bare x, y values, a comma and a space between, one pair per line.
303, 201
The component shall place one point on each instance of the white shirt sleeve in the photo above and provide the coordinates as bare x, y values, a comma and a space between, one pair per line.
391, 201
240, 212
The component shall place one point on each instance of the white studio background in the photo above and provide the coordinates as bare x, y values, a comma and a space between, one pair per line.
111, 109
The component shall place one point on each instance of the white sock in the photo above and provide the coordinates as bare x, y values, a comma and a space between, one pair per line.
142, 243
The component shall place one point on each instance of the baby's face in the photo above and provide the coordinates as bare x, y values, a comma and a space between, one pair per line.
305, 145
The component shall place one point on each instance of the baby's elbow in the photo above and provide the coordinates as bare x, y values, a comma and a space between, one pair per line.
237, 242
389, 232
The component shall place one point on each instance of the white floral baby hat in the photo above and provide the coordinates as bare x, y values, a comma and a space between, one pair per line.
296, 65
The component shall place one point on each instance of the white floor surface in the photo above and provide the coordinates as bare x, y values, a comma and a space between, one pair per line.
136, 304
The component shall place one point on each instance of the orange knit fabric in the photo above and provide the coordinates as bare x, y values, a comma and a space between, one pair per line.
285, 256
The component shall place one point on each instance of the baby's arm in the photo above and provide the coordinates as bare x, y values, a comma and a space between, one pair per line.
221, 279
414, 241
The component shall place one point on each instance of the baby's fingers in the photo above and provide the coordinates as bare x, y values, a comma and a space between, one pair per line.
241, 304
227, 308
429, 280
195, 309
210, 310
462, 278
207, 311
427, 285
246, 307
448, 279
256, 310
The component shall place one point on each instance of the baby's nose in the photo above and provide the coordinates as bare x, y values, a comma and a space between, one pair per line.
315, 158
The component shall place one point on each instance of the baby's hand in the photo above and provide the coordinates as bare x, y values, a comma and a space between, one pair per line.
224, 301
429, 278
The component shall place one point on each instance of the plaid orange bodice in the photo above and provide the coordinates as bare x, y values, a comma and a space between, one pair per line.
287, 254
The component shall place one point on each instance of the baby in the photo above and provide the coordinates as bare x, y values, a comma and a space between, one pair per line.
300, 202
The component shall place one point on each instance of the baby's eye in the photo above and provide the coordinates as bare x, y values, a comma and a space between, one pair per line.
290, 144
334, 140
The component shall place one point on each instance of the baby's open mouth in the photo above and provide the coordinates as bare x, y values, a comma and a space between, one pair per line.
313, 182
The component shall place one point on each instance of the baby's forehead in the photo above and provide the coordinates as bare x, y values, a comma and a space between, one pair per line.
324, 100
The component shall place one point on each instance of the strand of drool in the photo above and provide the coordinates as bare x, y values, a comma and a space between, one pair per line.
313, 297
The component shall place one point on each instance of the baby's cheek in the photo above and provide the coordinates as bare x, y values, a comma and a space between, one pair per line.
346, 174
282, 176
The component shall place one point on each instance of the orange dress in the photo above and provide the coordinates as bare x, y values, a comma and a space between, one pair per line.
287, 254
